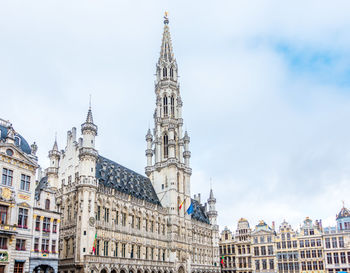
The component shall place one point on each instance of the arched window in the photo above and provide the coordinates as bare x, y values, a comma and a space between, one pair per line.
165, 72
171, 72
165, 143
165, 106
172, 106
47, 204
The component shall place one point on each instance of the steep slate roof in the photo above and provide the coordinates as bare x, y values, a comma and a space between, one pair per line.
24, 146
114, 175
199, 213
41, 186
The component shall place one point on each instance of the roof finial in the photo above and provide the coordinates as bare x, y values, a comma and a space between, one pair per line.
166, 19
90, 103
343, 203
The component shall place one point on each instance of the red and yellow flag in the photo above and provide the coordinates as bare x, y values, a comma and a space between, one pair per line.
181, 204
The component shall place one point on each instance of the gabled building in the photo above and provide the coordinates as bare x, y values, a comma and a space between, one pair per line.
263, 248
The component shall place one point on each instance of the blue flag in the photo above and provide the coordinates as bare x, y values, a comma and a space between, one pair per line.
190, 209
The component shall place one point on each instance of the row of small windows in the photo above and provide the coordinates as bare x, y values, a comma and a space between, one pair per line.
135, 221
122, 250
335, 259
335, 242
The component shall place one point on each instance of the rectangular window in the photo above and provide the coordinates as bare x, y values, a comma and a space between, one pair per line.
341, 241
54, 226
348, 257
318, 242
295, 245
105, 248
25, 182
329, 258
132, 221
315, 266
320, 265
342, 257
22, 218
98, 214
123, 250
36, 244
18, 268
309, 266
328, 243
336, 258
98, 247
334, 242
264, 264
7, 177
116, 250
308, 254
278, 245
45, 245
263, 250
313, 253
302, 254
46, 224
138, 252
132, 252
123, 219
138, 223
307, 243
257, 265
20, 244
301, 243
3, 214
272, 265
152, 226
319, 253
256, 251
313, 243
37, 223
146, 224
303, 266
3, 243
106, 216
53, 246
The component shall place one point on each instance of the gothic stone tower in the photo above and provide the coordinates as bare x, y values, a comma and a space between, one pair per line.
168, 154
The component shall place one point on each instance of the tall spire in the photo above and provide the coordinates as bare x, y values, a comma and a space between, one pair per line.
89, 118
166, 50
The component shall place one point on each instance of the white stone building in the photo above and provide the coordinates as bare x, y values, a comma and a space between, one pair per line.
18, 165
136, 224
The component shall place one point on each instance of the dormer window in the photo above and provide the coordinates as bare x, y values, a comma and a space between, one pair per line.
17, 141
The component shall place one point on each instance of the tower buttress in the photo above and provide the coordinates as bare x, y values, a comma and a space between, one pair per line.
52, 171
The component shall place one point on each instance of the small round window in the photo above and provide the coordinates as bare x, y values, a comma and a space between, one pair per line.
9, 152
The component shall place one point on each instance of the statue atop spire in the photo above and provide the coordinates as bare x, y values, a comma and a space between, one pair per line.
166, 19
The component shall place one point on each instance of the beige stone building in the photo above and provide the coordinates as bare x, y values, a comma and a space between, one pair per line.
116, 220
336, 241
18, 165
263, 248
287, 249
227, 251
243, 247
311, 247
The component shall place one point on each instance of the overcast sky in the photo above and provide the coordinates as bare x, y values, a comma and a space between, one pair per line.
265, 86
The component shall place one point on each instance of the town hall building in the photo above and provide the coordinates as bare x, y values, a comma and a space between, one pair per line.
115, 220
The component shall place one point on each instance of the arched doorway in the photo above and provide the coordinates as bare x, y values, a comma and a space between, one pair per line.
113, 271
44, 268
181, 269
122, 271
103, 270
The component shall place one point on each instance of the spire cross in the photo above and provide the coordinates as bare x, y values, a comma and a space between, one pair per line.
166, 19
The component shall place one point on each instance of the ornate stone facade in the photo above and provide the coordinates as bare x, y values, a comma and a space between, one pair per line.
116, 220
18, 164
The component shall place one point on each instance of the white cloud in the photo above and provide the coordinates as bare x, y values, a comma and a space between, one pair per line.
275, 142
